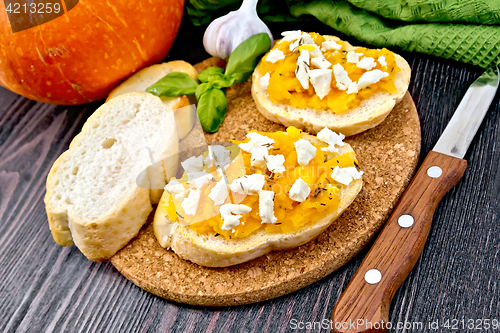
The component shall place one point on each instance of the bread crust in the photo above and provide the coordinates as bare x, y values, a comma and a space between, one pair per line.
184, 119
148, 76
370, 113
100, 238
207, 250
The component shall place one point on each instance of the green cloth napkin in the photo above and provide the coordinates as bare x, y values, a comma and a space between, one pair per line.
463, 30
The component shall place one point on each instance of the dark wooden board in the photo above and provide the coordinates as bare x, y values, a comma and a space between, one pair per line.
48, 288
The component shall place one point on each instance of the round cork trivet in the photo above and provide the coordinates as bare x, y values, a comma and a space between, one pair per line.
388, 155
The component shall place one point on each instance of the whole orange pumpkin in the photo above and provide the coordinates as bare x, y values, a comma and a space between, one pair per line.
82, 55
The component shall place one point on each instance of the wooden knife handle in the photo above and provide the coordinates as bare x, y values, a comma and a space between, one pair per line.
364, 306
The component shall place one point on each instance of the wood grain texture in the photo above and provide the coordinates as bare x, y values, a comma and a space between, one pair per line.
396, 249
48, 288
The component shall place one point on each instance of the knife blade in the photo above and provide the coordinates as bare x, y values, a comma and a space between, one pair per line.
364, 304
464, 124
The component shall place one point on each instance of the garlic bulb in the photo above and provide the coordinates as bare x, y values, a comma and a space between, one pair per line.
224, 34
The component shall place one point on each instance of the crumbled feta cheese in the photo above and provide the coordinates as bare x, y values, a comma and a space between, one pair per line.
371, 77
193, 164
367, 79
219, 192
248, 184
256, 140
266, 207
316, 52
299, 191
328, 136
291, 36
305, 39
275, 163
346, 175
330, 45
208, 161
303, 68
294, 45
262, 140
230, 221
275, 55
259, 156
176, 189
305, 151
264, 81
190, 204
341, 77
199, 179
321, 80
366, 63
220, 172
381, 60
193, 175
219, 154
321, 63
353, 88
353, 57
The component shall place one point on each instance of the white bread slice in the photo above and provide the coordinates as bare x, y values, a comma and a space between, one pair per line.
184, 119
207, 250
368, 114
93, 199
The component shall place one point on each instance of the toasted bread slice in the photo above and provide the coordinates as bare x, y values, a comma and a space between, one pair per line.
93, 198
368, 114
184, 119
211, 251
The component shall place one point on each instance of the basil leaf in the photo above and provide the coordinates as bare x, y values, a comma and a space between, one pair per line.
205, 75
173, 84
245, 57
211, 109
222, 81
216, 78
238, 77
201, 89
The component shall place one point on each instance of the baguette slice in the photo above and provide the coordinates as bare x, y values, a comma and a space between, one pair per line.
211, 251
93, 199
368, 114
184, 118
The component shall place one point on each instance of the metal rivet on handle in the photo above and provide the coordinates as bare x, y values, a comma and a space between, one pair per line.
434, 172
406, 221
373, 276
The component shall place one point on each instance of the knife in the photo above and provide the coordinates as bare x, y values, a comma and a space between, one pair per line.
364, 305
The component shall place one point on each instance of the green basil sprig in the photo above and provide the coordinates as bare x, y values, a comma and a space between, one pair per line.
212, 103
245, 57
174, 84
